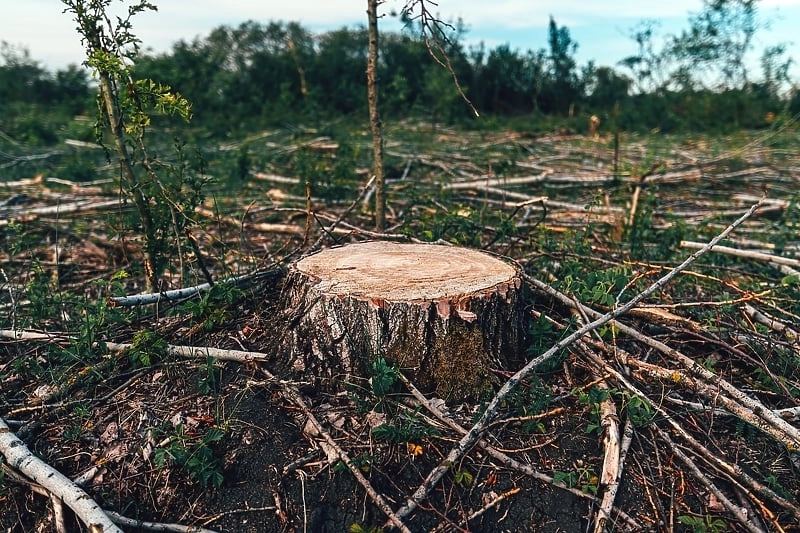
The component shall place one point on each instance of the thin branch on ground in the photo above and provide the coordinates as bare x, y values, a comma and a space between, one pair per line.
747, 254
189, 352
158, 527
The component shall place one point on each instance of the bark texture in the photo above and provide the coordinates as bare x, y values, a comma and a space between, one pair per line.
446, 316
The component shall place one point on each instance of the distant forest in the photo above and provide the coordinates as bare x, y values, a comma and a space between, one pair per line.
258, 75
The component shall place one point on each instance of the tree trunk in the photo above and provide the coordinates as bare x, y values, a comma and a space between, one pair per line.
374, 116
446, 316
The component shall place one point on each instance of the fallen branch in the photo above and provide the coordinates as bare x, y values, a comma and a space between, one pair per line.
735, 510
734, 473
263, 227
772, 323
20, 458
30, 213
612, 468
714, 394
473, 435
747, 254
603, 515
779, 428
155, 526
189, 352
184, 293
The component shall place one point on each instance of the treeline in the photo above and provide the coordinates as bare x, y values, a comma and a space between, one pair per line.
262, 74
256, 75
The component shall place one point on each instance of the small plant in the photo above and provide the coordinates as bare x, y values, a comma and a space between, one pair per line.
463, 478
567, 478
362, 461
355, 527
210, 309
703, 524
639, 411
196, 458
384, 377
582, 477
210, 377
74, 430
404, 427
147, 348
593, 398
526, 400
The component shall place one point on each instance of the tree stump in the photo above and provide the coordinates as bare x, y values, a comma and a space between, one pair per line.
446, 316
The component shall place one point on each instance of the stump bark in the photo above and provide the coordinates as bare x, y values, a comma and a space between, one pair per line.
447, 316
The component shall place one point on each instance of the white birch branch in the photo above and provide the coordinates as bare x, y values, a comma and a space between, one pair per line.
23, 460
747, 254
189, 352
178, 294
155, 526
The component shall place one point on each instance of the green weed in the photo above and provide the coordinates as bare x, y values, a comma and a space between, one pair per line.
355, 527
147, 348
404, 427
210, 377
703, 524
195, 456
582, 477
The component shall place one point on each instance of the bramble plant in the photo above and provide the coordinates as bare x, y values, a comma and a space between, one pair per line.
125, 109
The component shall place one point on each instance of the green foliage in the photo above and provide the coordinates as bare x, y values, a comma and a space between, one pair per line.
355, 527
125, 109
147, 348
384, 377
247, 76
211, 308
463, 478
593, 398
404, 427
639, 411
80, 416
703, 524
598, 287
567, 478
362, 461
526, 400
195, 456
210, 378
582, 477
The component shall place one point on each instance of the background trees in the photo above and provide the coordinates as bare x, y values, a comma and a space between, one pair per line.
257, 74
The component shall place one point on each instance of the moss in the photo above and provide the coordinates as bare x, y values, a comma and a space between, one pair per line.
460, 362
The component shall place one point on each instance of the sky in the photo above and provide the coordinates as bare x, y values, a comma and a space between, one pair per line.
602, 29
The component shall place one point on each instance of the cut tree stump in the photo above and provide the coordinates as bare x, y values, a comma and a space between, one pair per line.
446, 316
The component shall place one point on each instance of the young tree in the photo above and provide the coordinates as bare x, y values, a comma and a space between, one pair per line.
123, 108
562, 89
647, 65
374, 116
435, 40
718, 39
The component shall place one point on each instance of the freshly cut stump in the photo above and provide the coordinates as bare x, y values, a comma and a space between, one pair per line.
447, 316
